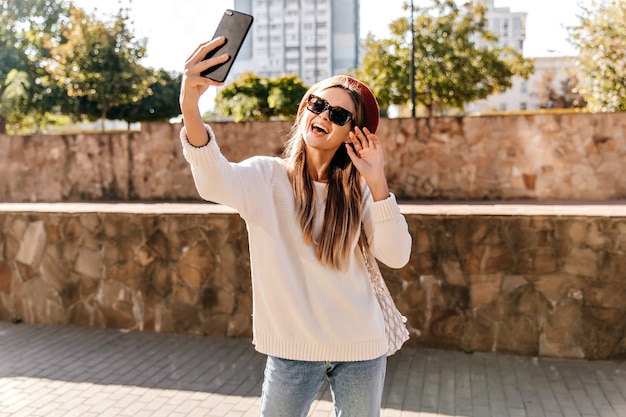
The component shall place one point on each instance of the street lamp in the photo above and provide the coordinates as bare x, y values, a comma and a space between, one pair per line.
412, 49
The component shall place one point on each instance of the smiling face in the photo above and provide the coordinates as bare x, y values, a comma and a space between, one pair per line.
320, 134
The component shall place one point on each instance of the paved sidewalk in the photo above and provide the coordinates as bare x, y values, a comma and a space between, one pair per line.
85, 372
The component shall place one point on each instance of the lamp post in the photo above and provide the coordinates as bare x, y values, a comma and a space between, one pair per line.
412, 60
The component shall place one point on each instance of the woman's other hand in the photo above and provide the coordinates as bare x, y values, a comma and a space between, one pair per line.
366, 152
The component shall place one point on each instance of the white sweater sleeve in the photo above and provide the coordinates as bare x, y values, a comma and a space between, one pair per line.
223, 182
387, 231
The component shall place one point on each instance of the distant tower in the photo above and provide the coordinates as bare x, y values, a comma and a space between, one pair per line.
312, 38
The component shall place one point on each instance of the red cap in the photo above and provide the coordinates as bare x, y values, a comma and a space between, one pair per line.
370, 104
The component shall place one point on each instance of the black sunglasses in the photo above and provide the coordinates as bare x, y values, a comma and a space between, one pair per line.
337, 115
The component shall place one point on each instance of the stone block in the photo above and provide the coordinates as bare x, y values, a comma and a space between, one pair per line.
159, 243
479, 333
604, 328
72, 228
484, 288
577, 231
511, 283
33, 244
158, 277
213, 323
596, 239
411, 297
558, 287
41, 303
196, 264
531, 303
5, 311
562, 335
239, 325
25, 272
421, 241
6, 278
91, 223
581, 262
608, 294
117, 305
10, 248
89, 263
496, 258
452, 273
448, 328
18, 227
54, 270
424, 263
186, 318
545, 260
517, 334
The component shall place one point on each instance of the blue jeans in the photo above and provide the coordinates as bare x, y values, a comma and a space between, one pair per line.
290, 387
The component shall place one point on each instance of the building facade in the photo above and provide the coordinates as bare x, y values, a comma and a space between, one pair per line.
510, 27
314, 39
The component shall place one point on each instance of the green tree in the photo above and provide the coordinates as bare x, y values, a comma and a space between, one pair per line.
251, 97
27, 25
161, 104
99, 64
567, 98
451, 66
601, 40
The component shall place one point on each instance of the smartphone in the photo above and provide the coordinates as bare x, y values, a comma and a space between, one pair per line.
234, 26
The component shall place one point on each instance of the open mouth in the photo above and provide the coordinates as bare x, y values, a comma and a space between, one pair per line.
319, 128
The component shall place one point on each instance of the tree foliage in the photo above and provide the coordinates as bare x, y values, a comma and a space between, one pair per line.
100, 63
24, 82
601, 40
567, 97
451, 67
251, 97
161, 103
57, 60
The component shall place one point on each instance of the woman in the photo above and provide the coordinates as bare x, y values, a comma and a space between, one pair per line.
315, 314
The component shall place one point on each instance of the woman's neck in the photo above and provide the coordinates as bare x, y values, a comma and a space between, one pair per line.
317, 166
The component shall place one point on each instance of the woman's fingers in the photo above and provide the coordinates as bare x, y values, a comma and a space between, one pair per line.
203, 49
363, 138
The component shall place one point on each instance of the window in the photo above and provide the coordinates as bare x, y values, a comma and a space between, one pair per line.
517, 27
522, 106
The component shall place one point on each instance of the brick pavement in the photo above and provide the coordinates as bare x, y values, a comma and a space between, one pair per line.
72, 371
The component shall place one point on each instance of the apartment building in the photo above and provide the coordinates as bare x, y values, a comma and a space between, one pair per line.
509, 26
312, 38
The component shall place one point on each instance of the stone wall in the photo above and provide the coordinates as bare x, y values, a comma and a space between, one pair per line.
531, 284
535, 156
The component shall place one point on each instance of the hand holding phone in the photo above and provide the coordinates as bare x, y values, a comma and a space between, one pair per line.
234, 26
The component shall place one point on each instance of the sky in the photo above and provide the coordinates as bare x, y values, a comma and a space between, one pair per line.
175, 27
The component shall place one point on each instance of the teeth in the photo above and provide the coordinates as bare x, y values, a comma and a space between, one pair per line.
318, 127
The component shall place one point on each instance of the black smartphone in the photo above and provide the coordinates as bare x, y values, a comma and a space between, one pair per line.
234, 26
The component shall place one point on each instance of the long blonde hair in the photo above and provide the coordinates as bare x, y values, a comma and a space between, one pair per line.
342, 214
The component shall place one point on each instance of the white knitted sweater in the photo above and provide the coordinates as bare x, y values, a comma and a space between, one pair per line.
302, 309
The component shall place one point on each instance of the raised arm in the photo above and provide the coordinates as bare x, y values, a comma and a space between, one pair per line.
194, 85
